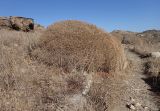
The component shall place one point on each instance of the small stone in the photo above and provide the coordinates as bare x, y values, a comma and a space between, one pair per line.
16, 45
137, 104
146, 108
131, 106
155, 54
132, 100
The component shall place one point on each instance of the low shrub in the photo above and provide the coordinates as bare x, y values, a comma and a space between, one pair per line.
152, 68
79, 45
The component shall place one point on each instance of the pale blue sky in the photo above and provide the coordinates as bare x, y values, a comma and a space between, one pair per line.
133, 15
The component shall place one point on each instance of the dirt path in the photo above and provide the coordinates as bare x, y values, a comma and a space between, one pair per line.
136, 89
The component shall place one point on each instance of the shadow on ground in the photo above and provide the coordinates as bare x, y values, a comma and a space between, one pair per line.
154, 84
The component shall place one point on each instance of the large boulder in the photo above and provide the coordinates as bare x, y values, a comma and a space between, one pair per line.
5, 23
22, 23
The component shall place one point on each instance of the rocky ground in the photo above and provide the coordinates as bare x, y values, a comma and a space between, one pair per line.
137, 94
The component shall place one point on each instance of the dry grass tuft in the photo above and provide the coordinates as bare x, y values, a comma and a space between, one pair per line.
28, 85
154, 66
81, 46
153, 69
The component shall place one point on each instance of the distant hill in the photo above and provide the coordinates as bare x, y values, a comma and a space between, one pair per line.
152, 35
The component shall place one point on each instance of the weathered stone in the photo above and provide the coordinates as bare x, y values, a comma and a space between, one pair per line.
155, 54
5, 23
132, 107
137, 104
21, 23
132, 99
17, 23
146, 108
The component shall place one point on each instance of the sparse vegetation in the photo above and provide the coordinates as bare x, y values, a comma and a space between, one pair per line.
29, 85
72, 66
141, 43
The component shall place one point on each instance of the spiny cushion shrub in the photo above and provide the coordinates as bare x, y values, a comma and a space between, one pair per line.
78, 45
153, 67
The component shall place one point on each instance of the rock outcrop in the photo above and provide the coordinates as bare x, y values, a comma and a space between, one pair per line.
17, 23
21, 23
5, 23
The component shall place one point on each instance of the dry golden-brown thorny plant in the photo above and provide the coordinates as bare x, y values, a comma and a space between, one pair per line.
33, 68
78, 45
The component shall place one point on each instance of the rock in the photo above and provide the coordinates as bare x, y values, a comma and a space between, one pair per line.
155, 54
141, 35
146, 108
137, 105
89, 80
17, 23
132, 100
22, 23
131, 106
5, 23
